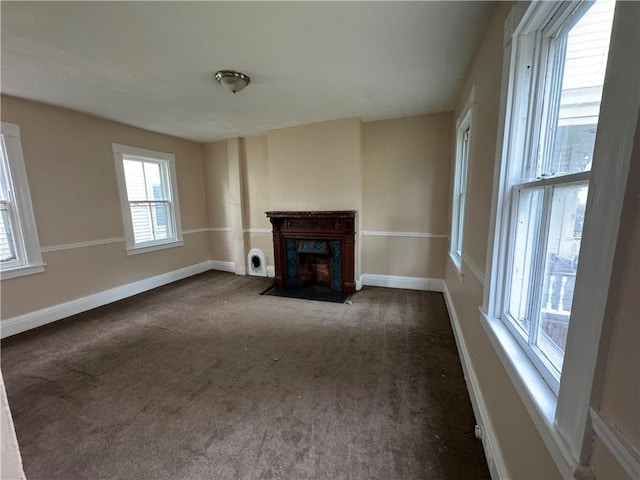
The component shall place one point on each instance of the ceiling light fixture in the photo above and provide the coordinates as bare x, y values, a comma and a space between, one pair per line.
233, 81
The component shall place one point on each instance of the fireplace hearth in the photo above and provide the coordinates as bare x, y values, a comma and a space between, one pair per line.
314, 249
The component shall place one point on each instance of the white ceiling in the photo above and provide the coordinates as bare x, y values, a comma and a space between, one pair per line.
151, 64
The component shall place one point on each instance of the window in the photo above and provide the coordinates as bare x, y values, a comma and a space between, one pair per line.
19, 245
558, 76
149, 200
463, 139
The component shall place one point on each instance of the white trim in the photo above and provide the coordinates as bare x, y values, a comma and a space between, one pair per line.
90, 243
613, 156
22, 323
402, 234
220, 229
223, 266
195, 230
409, 283
537, 397
154, 247
492, 451
271, 271
474, 269
28, 253
10, 129
257, 230
616, 443
167, 163
22, 271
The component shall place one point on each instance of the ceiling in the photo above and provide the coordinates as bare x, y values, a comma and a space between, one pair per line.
151, 64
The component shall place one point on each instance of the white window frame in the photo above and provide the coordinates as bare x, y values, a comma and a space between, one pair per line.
168, 167
464, 135
562, 419
24, 230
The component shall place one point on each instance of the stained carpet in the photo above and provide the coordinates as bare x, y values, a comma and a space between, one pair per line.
207, 379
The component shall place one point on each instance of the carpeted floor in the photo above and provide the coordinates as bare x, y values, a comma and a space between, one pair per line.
207, 379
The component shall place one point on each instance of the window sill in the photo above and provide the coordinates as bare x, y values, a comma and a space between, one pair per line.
153, 247
22, 271
536, 395
456, 261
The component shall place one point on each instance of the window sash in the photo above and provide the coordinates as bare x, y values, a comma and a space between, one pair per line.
159, 196
153, 222
460, 187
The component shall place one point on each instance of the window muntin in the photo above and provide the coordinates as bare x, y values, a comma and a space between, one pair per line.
148, 194
559, 75
19, 245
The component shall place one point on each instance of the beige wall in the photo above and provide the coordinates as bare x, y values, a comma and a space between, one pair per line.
620, 398
524, 453
315, 167
405, 189
70, 167
394, 173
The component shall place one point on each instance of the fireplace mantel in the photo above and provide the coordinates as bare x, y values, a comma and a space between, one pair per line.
316, 225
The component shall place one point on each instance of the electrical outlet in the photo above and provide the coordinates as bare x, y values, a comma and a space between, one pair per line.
478, 432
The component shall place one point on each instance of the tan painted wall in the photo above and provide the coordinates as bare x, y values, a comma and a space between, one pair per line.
394, 172
405, 189
620, 401
71, 175
216, 180
524, 453
315, 167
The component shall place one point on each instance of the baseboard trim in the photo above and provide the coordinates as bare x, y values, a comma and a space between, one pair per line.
28, 321
407, 283
223, 266
492, 452
616, 443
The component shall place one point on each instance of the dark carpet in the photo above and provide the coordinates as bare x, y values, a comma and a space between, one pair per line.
207, 379
309, 292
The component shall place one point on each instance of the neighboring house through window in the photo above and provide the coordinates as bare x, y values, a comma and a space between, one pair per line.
463, 141
149, 198
20, 252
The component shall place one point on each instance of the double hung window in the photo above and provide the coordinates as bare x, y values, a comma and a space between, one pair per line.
558, 76
20, 252
148, 195
463, 140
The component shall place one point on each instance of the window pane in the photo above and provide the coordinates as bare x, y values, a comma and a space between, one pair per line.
563, 247
585, 61
153, 181
7, 246
160, 213
134, 179
528, 211
142, 223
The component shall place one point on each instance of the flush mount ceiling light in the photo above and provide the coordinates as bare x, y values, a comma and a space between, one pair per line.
232, 81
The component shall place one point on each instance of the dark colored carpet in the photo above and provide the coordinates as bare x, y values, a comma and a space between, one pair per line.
309, 292
208, 379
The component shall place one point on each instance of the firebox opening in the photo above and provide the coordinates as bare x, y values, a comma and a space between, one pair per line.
314, 269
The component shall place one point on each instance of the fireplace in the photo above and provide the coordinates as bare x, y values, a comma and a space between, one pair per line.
314, 248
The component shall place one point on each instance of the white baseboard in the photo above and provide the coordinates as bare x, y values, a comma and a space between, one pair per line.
621, 448
492, 452
22, 323
223, 266
408, 283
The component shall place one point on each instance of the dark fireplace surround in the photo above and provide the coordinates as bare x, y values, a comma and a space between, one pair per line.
314, 247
